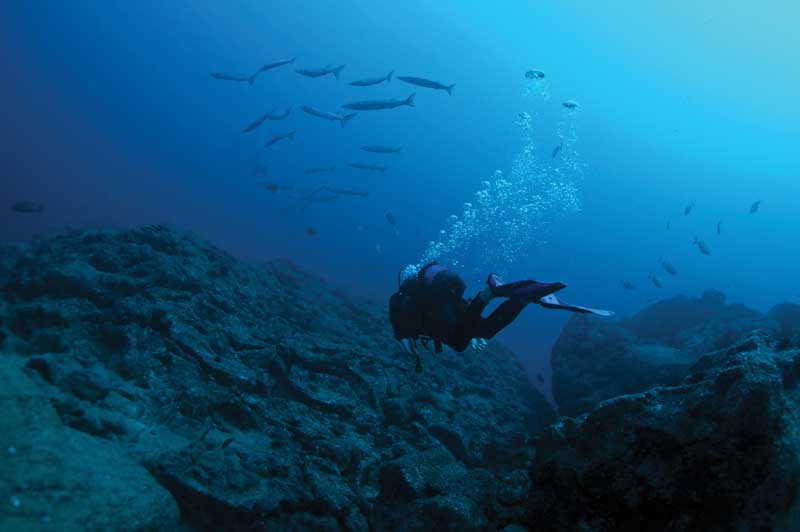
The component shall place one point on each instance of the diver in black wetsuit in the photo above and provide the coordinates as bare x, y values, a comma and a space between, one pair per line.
431, 306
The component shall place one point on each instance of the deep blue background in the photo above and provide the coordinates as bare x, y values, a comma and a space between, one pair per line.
109, 117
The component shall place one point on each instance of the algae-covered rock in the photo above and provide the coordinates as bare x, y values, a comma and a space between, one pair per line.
719, 451
260, 398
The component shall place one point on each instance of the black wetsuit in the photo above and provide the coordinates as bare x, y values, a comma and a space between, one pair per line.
438, 311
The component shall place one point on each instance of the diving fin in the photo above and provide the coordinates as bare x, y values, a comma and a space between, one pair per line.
552, 302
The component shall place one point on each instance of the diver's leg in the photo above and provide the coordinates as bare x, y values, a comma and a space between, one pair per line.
499, 319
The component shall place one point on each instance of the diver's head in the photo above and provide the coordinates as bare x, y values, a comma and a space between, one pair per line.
442, 281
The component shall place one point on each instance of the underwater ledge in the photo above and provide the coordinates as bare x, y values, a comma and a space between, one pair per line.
152, 382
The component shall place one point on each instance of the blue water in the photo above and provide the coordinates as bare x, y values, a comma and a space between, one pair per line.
110, 118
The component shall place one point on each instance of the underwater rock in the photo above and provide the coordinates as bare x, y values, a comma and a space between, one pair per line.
594, 360
260, 398
55, 478
719, 451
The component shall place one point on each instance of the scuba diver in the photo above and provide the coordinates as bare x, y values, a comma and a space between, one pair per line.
430, 306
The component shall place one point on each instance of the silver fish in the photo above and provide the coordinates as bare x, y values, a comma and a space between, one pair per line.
702, 246
28, 207
627, 285
556, 151
382, 149
276, 64
656, 280
233, 77
754, 207
372, 167
372, 81
570, 104
342, 119
688, 209
319, 170
377, 105
668, 267
278, 138
422, 82
534, 74
319, 72
272, 115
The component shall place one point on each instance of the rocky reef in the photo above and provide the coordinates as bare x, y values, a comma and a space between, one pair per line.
594, 360
150, 382
684, 417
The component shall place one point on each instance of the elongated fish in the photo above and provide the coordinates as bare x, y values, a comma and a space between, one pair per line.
319, 170
28, 207
556, 151
272, 115
534, 74
656, 280
422, 82
688, 209
702, 246
276, 64
233, 77
377, 105
319, 72
382, 149
719, 227
345, 192
278, 138
570, 104
342, 119
372, 167
754, 207
668, 267
372, 81
627, 285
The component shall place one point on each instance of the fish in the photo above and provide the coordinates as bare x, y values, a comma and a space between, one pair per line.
422, 82
668, 267
669, 224
269, 116
372, 81
719, 227
226, 443
377, 105
570, 104
688, 209
702, 246
342, 119
28, 207
233, 77
272, 187
378, 249
373, 167
276, 64
390, 218
539, 377
656, 280
345, 192
754, 207
382, 149
534, 74
627, 285
556, 150
280, 137
319, 170
310, 231
319, 72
